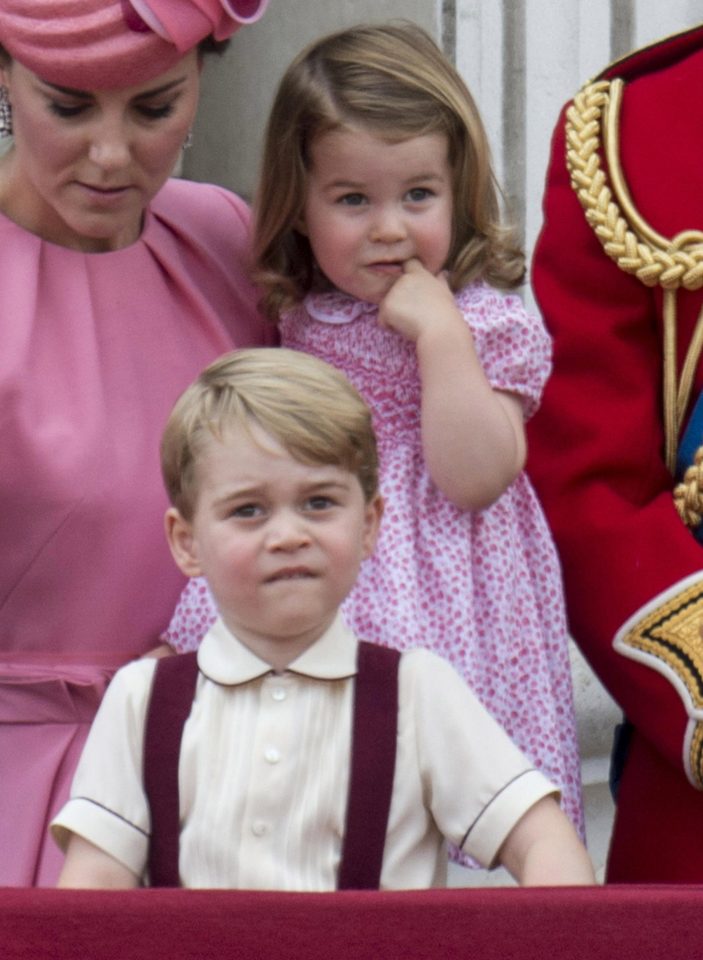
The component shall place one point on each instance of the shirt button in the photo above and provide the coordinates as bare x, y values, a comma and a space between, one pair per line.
279, 694
272, 755
258, 828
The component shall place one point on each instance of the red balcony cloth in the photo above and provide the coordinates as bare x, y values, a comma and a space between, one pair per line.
621, 922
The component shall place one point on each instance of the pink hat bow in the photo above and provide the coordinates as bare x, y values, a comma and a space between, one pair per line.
98, 44
185, 23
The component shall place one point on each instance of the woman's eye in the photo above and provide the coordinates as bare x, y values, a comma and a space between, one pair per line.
66, 110
155, 112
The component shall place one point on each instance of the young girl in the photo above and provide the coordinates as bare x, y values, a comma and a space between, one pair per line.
380, 250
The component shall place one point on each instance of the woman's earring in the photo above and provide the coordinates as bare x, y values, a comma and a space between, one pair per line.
188, 142
5, 113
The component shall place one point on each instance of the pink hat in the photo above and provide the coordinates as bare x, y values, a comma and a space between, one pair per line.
103, 44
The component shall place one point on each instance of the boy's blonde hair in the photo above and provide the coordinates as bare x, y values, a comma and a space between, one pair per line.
305, 404
392, 80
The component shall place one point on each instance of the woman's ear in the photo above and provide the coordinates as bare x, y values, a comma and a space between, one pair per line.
4, 73
179, 533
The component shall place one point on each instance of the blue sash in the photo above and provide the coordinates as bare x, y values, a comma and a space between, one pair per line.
691, 440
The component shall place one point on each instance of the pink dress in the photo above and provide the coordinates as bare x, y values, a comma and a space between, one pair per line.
94, 349
483, 589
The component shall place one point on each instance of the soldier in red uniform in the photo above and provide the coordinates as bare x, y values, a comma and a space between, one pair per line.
618, 274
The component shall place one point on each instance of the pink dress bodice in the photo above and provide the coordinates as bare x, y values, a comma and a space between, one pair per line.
94, 349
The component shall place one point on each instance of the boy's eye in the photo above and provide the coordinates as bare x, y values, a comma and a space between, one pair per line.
418, 194
246, 511
320, 503
352, 199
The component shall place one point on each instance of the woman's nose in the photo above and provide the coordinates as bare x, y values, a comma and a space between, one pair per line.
109, 147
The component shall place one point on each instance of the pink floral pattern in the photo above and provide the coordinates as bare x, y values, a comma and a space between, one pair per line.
481, 589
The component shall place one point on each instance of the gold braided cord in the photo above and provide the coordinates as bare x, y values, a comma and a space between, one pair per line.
671, 426
629, 240
688, 495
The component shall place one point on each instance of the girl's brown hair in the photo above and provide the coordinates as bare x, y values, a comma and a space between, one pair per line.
393, 80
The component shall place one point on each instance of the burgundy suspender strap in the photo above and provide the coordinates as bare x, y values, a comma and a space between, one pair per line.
374, 739
374, 734
172, 693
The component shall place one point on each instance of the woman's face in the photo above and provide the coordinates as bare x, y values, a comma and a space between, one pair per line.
86, 162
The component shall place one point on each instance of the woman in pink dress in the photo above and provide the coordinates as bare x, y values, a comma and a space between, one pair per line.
380, 248
117, 285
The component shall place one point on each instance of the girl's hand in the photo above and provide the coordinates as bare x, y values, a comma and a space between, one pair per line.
473, 437
417, 300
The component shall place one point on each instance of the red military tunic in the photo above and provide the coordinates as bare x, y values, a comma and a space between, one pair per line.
633, 571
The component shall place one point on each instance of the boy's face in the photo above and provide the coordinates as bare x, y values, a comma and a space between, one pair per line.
280, 542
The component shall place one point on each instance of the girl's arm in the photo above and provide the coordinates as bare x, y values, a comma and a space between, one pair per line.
473, 436
543, 849
88, 867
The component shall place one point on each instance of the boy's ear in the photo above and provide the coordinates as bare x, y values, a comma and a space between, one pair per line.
372, 523
179, 533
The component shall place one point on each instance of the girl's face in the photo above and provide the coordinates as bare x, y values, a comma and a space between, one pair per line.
371, 204
86, 163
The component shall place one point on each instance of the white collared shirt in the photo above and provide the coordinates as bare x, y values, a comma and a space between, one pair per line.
264, 771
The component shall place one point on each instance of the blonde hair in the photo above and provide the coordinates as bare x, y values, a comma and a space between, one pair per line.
305, 404
393, 80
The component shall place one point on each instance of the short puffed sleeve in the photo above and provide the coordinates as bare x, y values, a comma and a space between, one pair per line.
512, 344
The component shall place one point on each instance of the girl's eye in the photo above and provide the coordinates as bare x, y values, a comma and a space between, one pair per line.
66, 110
154, 112
352, 199
418, 194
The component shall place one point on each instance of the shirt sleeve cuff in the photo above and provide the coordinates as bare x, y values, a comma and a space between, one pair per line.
487, 833
107, 830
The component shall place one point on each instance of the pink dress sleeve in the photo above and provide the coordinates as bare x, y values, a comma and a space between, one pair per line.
512, 344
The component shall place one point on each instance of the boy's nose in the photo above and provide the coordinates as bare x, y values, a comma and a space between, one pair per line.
287, 532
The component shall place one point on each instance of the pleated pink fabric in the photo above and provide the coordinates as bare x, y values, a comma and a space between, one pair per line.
94, 350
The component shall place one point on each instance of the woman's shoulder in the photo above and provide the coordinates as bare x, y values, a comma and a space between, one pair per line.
189, 202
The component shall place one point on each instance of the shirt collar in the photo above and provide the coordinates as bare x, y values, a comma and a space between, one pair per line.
226, 660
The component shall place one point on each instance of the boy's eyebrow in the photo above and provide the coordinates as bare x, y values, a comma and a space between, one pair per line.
256, 489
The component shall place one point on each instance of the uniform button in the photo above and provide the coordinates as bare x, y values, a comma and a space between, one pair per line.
259, 828
272, 755
279, 694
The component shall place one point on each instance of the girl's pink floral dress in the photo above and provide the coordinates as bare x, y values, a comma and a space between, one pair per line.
483, 589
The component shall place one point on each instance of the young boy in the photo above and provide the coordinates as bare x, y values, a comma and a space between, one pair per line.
270, 464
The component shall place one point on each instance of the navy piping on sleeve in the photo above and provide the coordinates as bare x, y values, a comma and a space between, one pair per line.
493, 798
102, 806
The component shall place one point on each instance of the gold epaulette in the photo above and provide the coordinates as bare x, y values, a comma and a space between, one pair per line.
592, 134
666, 636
